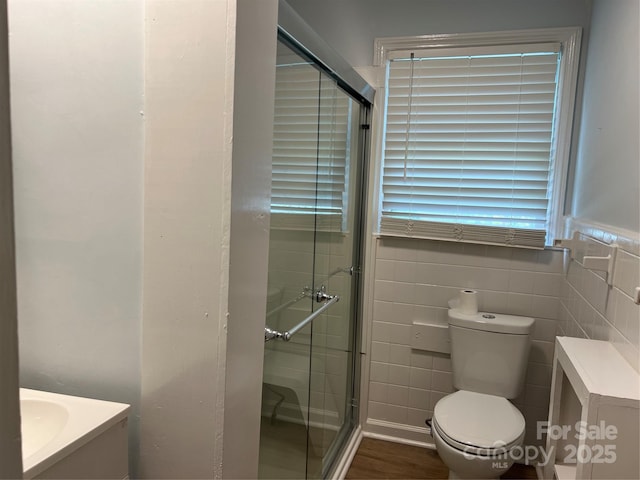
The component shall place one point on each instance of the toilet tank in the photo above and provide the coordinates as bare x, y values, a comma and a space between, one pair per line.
489, 352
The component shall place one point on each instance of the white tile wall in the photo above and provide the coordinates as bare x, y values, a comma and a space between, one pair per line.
590, 308
414, 279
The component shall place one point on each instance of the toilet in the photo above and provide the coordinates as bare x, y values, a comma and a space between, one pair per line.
476, 429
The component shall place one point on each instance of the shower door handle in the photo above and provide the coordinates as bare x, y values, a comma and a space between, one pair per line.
270, 334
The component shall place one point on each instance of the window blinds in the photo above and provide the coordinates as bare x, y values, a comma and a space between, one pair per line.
309, 149
468, 145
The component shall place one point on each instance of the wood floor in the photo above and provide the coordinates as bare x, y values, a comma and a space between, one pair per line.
377, 459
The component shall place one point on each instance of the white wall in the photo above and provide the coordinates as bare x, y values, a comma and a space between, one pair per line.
112, 99
189, 64
76, 81
254, 87
607, 178
350, 27
210, 68
11, 462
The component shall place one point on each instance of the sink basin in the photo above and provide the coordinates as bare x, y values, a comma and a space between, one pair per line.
61, 434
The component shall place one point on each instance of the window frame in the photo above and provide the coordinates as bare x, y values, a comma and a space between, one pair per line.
569, 39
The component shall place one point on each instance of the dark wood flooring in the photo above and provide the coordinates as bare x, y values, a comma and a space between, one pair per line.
377, 459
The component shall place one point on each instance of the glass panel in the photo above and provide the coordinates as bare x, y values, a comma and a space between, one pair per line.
285, 395
330, 415
308, 384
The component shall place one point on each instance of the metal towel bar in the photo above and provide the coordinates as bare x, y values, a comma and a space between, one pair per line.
270, 334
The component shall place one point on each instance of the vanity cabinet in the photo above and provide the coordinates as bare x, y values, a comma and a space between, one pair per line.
594, 422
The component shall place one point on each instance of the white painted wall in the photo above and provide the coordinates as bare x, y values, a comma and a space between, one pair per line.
189, 65
87, 147
607, 178
350, 27
606, 201
210, 68
10, 457
254, 91
76, 98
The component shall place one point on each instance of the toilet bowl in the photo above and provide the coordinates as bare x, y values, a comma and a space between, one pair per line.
477, 428
475, 434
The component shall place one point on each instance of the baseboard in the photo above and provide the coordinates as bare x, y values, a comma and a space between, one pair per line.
342, 467
399, 433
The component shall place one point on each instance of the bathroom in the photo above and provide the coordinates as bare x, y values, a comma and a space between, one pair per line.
136, 265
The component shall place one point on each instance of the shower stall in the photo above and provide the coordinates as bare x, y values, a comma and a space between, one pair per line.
311, 369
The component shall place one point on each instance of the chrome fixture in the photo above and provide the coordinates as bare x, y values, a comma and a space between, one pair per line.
321, 295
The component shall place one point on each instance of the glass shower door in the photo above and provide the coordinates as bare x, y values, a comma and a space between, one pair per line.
308, 382
285, 393
336, 252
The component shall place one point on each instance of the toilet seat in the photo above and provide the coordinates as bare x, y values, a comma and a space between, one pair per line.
477, 423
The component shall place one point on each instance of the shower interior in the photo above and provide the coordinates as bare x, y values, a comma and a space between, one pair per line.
310, 382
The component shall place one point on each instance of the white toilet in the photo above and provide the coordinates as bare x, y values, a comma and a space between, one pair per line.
476, 428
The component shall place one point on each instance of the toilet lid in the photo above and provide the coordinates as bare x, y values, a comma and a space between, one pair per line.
478, 420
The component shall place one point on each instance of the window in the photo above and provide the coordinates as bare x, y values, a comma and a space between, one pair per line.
311, 145
476, 137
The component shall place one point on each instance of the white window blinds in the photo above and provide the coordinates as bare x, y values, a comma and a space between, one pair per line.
469, 140
309, 150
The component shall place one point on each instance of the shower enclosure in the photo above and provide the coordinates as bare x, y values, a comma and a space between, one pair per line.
309, 399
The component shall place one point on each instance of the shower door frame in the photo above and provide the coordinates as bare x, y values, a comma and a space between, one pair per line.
298, 36
293, 29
